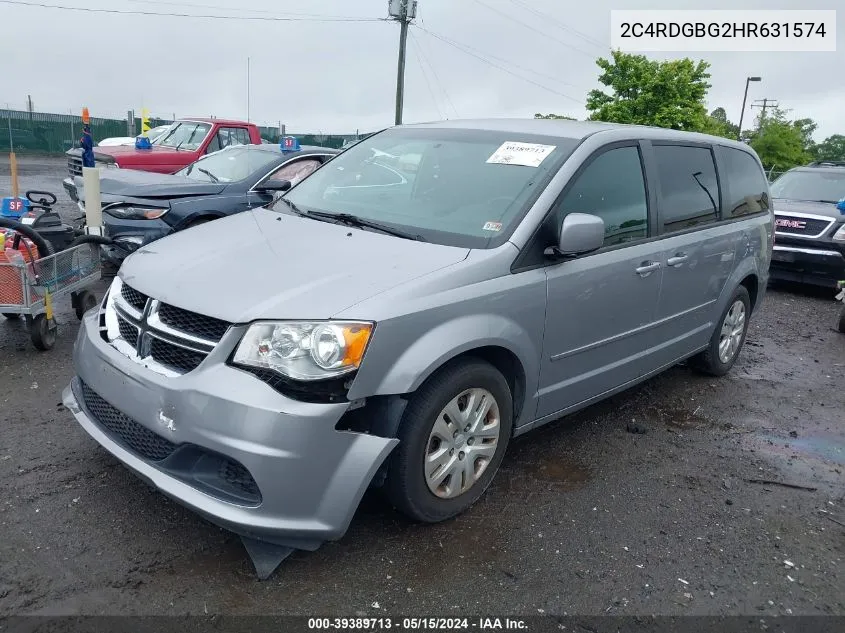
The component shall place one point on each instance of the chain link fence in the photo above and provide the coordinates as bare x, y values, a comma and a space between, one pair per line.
45, 133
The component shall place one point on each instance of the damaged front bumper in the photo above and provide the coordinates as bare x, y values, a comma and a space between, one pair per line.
223, 443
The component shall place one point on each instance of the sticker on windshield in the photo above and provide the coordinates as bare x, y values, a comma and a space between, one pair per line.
525, 154
493, 226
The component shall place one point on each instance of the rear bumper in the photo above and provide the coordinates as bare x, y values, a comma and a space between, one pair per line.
310, 477
819, 265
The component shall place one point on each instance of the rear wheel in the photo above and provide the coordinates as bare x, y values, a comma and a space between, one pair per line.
12, 316
728, 338
453, 436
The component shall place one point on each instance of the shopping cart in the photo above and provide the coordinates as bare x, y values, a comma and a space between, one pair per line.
28, 287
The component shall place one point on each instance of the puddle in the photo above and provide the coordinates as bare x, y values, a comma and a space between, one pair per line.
826, 448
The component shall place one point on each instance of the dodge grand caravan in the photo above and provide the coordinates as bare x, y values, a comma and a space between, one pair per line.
396, 326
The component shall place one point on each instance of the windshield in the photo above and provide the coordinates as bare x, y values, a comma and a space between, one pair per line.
230, 164
455, 187
157, 132
185, 135
821, 185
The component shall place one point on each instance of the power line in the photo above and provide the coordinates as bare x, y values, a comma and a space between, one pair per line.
509, 63
764, 104
490, 63
192, 15
241, 10
531, 28
425, 76
440, 84
561, 25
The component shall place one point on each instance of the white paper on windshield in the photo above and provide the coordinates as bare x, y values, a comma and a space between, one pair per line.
525, 154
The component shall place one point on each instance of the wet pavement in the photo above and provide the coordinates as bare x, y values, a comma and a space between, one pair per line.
658, 501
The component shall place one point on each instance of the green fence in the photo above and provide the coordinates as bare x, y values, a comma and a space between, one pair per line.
43, 133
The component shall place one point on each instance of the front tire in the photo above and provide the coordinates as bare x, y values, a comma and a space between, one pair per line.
453, 436
728, 337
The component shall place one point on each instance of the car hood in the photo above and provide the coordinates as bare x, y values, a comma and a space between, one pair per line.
828, 209
131, 183
263, 264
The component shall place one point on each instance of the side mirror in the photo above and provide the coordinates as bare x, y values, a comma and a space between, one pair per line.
274, 186
580, 233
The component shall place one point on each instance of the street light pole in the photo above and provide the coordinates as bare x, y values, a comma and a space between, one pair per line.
748, 80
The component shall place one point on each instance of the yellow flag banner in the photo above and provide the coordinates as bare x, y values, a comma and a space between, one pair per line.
145, 121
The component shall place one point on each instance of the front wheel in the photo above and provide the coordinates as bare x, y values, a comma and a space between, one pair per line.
453, 436
728, 338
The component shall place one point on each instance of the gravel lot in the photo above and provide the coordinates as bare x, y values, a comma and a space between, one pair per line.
584, 518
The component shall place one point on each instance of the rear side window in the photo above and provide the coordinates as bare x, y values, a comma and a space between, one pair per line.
689, 190
611, 187
748, 185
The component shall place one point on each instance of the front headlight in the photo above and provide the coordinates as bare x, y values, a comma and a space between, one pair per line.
839, 236
305, 350
135, 213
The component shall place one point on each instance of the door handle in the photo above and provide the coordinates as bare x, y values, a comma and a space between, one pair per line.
677, 260
647, 268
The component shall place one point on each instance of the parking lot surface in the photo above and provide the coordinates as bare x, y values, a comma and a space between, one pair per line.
654, 502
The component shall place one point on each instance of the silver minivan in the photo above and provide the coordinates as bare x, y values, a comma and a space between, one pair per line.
396, 318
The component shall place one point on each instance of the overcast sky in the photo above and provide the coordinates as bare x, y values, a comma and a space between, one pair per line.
336, 77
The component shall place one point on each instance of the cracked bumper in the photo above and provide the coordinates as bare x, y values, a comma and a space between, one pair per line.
311, 477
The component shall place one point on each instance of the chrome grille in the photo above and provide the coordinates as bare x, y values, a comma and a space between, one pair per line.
128, 331
802, 224
175, 357
134, 298
166, 339
197, 324
74, 165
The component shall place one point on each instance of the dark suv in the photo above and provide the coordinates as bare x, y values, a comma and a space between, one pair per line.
809, 228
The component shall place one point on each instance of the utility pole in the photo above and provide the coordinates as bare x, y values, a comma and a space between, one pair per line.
763, 104
247, 89
403, 11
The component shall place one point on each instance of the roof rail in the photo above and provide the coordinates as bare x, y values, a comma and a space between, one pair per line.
827, 163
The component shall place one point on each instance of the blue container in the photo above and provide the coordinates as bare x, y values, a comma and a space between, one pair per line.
14, 208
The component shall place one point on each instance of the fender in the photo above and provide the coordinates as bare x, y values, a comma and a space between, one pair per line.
750, 251
446, 341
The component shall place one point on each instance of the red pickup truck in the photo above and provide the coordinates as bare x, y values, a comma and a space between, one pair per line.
185, 141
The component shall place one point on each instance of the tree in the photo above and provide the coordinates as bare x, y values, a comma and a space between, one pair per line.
717, 124
554, 116
832, 148
648, 92
780, 143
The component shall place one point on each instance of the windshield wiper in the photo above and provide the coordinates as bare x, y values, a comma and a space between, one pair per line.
354, 220
209, 174
293, 207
